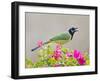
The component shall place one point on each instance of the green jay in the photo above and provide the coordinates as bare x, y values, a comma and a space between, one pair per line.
61, 38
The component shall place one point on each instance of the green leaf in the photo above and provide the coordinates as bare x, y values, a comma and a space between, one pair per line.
28, 63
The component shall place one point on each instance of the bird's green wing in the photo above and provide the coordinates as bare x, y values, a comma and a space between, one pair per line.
61, 38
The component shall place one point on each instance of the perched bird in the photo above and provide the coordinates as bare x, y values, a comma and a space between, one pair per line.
61, 38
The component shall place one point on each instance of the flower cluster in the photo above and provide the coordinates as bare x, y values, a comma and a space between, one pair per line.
57, 52
56, 56
76, 55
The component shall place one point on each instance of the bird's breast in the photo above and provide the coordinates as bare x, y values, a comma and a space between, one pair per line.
61, 41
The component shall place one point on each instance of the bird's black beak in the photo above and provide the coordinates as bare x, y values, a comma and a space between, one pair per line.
76, 29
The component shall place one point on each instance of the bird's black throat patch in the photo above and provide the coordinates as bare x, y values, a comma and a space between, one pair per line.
71, 33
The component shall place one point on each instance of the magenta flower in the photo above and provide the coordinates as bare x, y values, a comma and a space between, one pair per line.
77, 54
81, 61
69, 54
40, 43
57, 53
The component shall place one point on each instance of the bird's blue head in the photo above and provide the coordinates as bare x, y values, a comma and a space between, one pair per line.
72, 31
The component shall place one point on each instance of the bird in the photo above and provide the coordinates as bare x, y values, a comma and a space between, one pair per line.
61, 38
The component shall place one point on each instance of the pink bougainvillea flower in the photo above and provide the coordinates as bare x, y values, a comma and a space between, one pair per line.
58, 51
68, 54
81, 61
57, 54
77, 54
40, 43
